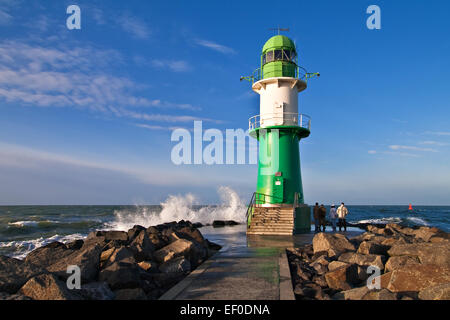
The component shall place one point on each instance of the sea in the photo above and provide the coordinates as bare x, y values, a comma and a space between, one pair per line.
25, 228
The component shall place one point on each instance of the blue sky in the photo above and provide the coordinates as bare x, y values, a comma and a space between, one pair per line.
86, 115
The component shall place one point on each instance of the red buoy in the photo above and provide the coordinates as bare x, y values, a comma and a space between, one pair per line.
410, 207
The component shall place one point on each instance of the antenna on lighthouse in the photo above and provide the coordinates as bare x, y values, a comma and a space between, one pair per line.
279, 29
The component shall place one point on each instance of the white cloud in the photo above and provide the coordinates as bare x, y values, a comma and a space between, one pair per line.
134, 26
412, 148
439, 133
75, 77
214, 46
371, 152
434, 143
174, 65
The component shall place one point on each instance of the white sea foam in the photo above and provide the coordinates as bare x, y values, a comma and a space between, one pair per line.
177, 208
22, 248
380, 220
418, 221
27, 223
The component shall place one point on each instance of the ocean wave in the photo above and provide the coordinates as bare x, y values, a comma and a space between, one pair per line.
20, 249
380, 220
418, 221
177, 208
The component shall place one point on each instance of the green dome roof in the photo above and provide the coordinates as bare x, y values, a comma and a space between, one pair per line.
278, 42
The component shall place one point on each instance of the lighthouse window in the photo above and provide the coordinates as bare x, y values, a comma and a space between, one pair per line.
278, 55
269, 56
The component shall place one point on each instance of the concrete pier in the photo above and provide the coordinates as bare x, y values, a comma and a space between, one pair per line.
247, 268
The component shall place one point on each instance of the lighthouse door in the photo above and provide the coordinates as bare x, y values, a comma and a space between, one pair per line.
278, 190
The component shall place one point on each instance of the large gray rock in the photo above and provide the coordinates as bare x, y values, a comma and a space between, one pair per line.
48, 287
333, 244
181, 247
352, 294
382, 294
371, 247
343, 278
415, 278
142, 247
15, 273
438, 292
130, 294
122, 254
363, 259
180, 264
87, 259
96, 291
399, 262
428, 253
121, 275
48, 255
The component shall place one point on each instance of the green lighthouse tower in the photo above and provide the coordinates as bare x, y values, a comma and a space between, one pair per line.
277, 206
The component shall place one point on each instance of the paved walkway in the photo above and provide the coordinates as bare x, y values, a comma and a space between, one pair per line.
253, 268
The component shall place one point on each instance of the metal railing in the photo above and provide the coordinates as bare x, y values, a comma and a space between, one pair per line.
300, 73
256, 200
280, 119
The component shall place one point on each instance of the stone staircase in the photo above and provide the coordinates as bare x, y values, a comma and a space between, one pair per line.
272, 221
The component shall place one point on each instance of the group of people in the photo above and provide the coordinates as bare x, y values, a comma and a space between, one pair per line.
320, 213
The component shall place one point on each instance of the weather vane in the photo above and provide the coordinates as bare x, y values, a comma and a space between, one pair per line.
279, 29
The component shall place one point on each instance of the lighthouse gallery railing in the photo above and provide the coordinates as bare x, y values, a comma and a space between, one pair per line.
282, 119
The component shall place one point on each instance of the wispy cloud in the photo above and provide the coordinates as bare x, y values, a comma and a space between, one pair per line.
411, 148
134, 26
214, 46
174, 65
372, 152
438, 133
434, 143
74, 77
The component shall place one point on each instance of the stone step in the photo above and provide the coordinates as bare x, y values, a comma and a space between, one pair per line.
264, 229
268, 233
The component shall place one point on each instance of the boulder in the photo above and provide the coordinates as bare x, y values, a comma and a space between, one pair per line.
398, 262
15, 273
75, 245
415, 278
142, 247
87, 259
181, 247
371, 247
121, 275
425, 233
148, 266
103, 237
96, 291
352, 294
363, 259
343, 277
333, 244
391, 241
191, 233
157, 240
48, 287
130, 294
218, 223
180, 264
382, 294
438, 292
428, 253
106, 254
122, 254
16, 296
48, 255
380, 231
134, 232
333, 265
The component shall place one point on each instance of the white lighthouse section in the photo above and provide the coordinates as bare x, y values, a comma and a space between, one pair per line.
278, 101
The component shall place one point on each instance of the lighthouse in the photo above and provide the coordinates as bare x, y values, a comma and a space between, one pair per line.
277, 207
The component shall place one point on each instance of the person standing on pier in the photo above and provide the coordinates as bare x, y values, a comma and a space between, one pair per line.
322, 217
342, 213
316, 215
333, 217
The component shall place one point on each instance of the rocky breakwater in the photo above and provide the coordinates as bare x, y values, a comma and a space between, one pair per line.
414, 264
140, 264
